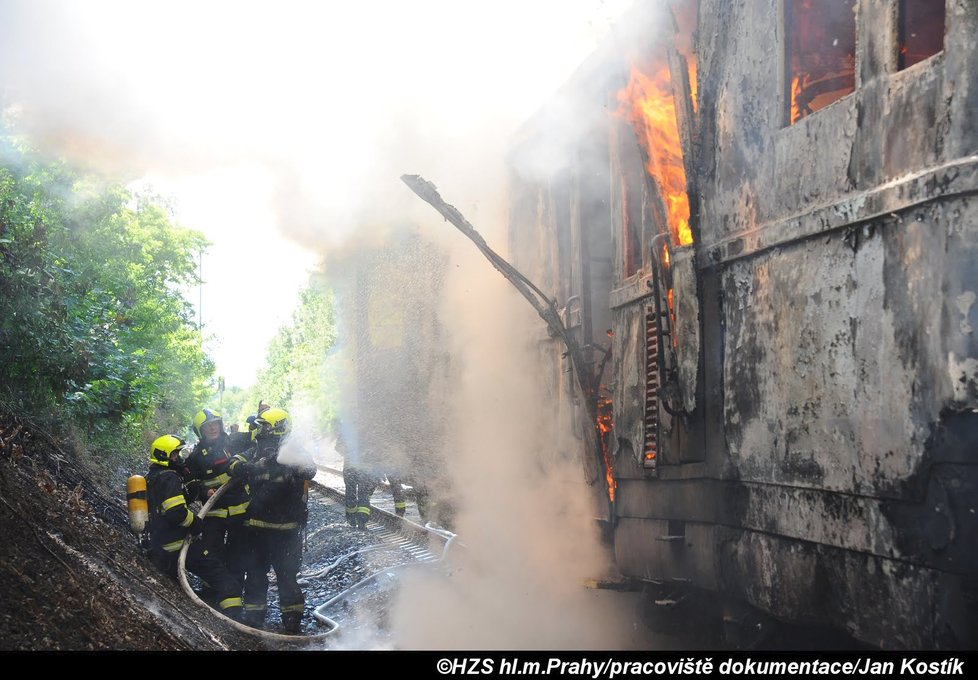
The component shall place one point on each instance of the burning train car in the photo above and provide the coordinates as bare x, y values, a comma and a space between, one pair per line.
765, 212
391, 361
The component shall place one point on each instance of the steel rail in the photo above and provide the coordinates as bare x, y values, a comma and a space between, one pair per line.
390, 530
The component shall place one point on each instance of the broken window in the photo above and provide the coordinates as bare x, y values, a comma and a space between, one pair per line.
647, 103
921, 31
628, 197
821, 54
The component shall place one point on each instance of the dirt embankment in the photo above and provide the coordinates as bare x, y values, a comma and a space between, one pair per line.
71, 574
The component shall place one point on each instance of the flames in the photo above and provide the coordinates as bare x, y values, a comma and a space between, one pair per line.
605, 415
647, 103
798, 83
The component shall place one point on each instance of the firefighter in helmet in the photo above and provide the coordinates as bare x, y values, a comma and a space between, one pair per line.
276, 519
171, 521
210, 463
262, 407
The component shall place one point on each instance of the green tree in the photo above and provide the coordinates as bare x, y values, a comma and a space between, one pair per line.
295, 370
92, 321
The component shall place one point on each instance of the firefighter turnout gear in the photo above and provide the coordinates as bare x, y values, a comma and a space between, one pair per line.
358, 481
276, 518
171, 521
360, 485
210, 465
397, 491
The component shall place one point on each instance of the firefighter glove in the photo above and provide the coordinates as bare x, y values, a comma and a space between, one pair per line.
240, 470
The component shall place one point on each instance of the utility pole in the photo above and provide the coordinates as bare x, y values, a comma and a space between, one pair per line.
200, 294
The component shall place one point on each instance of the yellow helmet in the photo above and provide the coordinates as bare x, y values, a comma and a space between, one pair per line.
164, 447
273, 422
206, 416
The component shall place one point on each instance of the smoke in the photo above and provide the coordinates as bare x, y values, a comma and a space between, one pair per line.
277, 124
526, 529
335, 101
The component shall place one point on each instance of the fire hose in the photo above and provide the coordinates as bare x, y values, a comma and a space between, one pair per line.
237, 625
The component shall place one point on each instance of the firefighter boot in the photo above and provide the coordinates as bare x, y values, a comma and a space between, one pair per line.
292, 622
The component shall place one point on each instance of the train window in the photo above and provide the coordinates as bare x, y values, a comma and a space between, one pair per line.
628, 176
632, 228
820, 54
921, 31
647, 104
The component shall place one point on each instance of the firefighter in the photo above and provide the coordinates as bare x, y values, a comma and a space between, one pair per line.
262, 407
276, 519
359, 484
397, 491
171, 521
210, 463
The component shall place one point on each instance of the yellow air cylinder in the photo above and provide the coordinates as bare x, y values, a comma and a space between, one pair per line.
136, 500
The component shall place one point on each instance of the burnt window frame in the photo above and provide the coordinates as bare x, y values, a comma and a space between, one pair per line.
901, 28
632, 229
784, 24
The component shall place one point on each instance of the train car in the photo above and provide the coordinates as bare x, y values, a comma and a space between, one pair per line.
765, 211
391, 364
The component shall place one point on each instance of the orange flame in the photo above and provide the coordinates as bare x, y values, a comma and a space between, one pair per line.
605, 416
798, 83
647, 103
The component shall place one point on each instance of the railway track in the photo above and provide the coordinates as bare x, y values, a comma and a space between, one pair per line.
352, 587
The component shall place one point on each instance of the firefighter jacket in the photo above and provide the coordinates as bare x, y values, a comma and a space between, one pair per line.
169, 517
278, 493
210, 464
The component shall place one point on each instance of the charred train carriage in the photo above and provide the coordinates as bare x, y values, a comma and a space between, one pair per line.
392, 365
767, 210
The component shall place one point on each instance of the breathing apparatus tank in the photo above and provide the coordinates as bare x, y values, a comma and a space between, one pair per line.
136, 501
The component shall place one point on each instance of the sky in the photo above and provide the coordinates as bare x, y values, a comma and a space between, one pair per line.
279, 129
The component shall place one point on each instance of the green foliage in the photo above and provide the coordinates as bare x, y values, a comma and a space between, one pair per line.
91, 317
295, 373
235, 406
